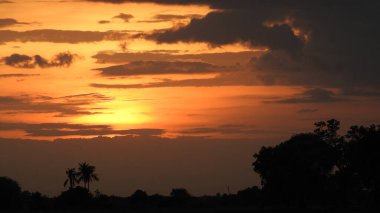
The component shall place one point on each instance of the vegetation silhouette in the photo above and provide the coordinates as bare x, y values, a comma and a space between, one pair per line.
319, 171
10, 193
87, 174
71, 174
296, 169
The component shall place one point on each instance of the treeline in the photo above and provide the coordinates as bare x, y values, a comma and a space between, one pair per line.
79, 199
320, 170
323, 168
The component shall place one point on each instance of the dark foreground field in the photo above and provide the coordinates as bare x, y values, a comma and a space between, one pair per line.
320, 171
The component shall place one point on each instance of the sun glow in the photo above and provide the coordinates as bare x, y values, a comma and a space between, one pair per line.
119, 116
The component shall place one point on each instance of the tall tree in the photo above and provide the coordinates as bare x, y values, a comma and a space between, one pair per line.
295, 169
362, 154
87, 174
71, 174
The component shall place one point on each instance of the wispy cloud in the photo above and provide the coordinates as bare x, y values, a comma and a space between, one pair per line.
67, 129
227, 129
222, 59
17, 75
62, 106
60, 36
162, 67
171, 17
5, 2
10, 22
307, 111
316, 95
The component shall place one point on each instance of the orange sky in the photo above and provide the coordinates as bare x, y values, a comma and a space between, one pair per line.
181, 89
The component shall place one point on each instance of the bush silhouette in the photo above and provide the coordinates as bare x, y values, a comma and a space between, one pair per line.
139, 197
10, 193
180, 195
75, 197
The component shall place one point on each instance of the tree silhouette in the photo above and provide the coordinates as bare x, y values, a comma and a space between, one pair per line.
180, 195
362, 157
295, 169
9, 193
71, 174
139, 197
87, 174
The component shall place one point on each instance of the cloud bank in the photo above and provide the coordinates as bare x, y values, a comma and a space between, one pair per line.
59, 106
60, 36
161, 67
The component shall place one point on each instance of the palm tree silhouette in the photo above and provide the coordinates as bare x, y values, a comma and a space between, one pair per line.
87, 174
71, 177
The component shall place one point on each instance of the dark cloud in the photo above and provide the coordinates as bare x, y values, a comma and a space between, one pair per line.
186, 2
87, 96
171, 17
239, 78
5, 2
219, 4
315, 95
332, 43
9, 22
67, 129
219, 28
60, 36
17, 75
362, 92
64, 59
60, 107
162, 67
307, 111
225, 58
123, 16
225, 129
104, 22
17, 60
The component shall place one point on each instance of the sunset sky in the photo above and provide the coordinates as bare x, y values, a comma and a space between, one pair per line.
173, 93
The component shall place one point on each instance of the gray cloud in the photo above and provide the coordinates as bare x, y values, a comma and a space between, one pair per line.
162, 67
67, 129
104, 22
9, 22
153, 1
238, 78
307, 111
61, 106
315, 95
362, 92
171, 17
219, 4
229, 129
225, 58
219, 28
60, 36
17, 75
124, 17
174, 16
64, 59
309, 43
